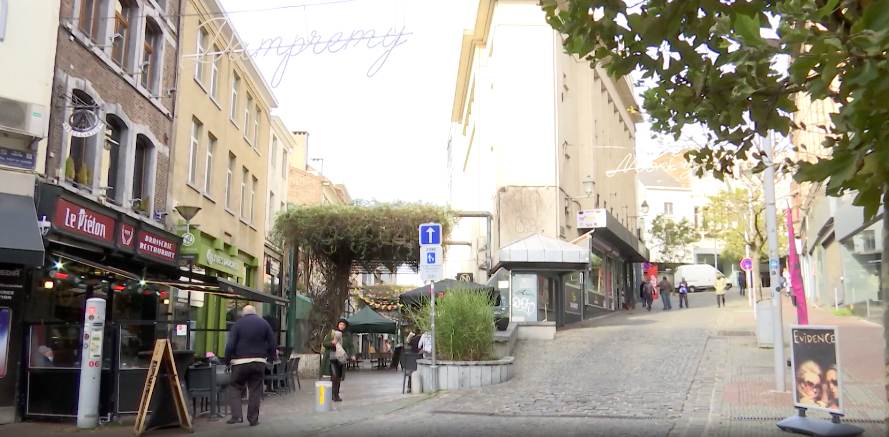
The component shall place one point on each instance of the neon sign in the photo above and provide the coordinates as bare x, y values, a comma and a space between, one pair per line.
630, 163
336, 43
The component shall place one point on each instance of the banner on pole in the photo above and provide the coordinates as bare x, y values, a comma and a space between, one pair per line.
796, 274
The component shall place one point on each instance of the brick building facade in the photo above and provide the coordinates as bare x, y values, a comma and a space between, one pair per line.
117, 60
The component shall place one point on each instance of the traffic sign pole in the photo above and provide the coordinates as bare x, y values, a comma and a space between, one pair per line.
434, 366
431, 269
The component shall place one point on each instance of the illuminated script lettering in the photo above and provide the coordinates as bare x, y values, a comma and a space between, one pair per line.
630, 163
338, 42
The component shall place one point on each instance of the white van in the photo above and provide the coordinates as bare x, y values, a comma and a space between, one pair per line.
700, 277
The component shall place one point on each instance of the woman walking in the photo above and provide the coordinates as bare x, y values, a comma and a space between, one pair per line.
720, 290
336, 349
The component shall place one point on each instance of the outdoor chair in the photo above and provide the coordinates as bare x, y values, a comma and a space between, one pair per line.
276, 377
293, 374
409, 365
222, 381
199, 382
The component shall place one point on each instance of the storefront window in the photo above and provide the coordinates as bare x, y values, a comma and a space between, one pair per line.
500, 282
861, 256
573, 293
59, 346
595, 289
62, 303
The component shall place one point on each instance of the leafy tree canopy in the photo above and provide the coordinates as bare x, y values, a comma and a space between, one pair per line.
727, 218
673, 239
711, 65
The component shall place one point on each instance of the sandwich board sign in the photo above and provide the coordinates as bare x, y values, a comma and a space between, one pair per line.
162, 358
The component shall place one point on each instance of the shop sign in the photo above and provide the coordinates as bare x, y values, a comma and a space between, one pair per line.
591, 218
273, 267
150, 244
214, 260
83, 221
191, 244
127, 235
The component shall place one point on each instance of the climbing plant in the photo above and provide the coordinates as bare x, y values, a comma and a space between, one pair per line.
367, 234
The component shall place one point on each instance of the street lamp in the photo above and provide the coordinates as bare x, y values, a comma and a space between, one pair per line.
188, 213
644, 207
588, 186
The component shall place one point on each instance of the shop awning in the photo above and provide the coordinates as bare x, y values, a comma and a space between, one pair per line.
618, 239
542, 249
230, 287
20, 239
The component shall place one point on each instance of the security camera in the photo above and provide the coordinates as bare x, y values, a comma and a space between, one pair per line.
144, 66
171, 91
116, 37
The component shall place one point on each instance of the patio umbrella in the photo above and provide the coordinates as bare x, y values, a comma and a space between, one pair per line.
368, 321
418, 295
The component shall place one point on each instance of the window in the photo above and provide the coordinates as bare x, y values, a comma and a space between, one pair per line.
121, 27
89, 18
285, 163
668, 208
214, 74
201, 50
140, 168
111, 156
271, 217
193, 151
78, 147
148, 55
253, 188
273, 150
243, 204
236, 83
208, 166
256, 118
229, 180
247, 118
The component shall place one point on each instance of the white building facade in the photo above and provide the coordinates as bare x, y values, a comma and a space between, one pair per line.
664, 195
536, 139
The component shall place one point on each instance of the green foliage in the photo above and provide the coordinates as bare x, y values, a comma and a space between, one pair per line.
464, 325
83, 176
69, 168
843, 312
673, 239
729, 215
710, 65
338, 237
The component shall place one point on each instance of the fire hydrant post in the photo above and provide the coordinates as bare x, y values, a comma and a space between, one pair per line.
323, 397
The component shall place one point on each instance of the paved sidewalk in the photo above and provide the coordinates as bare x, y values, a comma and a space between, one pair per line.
746, 397
366, 394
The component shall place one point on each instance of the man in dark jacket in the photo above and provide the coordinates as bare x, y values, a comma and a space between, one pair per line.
251, 345
665, 288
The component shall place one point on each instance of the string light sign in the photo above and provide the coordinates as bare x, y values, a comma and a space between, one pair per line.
313, 43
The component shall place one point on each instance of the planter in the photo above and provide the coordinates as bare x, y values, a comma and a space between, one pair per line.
309, 365
501, 323
466, 375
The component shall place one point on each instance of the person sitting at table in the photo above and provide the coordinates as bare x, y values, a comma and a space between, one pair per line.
385, 348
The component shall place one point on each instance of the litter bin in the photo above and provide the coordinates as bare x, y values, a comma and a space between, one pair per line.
323, 398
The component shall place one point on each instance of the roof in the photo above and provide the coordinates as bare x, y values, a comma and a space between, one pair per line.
658, 178
538, 248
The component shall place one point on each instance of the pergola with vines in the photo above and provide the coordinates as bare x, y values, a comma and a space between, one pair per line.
367, 235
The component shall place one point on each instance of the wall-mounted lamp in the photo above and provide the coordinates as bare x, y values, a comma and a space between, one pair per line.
588, 187
644, 207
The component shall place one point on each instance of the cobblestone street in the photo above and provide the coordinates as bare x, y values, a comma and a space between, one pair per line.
686, 372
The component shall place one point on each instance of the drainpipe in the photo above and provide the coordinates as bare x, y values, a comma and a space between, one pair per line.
488, 218
175, 109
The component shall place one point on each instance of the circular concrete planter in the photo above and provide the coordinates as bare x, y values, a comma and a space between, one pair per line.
466, 375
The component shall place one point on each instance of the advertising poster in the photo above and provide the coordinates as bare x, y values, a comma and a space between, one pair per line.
817, 380
523, 307
12, 287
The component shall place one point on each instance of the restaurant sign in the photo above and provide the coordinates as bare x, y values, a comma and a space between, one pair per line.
217, 260
83, 221
157, 247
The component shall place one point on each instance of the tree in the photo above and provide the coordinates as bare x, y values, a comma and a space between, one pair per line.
709, 64
730, 213
337, 238
673, 239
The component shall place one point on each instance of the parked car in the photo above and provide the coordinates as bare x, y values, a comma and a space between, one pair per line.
700, 277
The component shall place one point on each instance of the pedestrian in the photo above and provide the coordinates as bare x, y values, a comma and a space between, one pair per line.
425, 344
251, 345
720, 290
642, 293
665, 288
336, 349
647, 294
742, 282
683, 293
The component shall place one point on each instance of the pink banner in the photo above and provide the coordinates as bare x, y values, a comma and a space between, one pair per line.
796, 274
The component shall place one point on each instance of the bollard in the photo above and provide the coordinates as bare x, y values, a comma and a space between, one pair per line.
323, 396
416, 383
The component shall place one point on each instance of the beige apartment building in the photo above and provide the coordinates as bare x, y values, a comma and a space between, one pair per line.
537, 141
222, 136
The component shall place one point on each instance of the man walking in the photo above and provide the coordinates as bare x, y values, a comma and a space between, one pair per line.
665, 288
647, 294
251, 345
742, 282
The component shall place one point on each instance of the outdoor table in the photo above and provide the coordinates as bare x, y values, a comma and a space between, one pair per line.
378, 359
